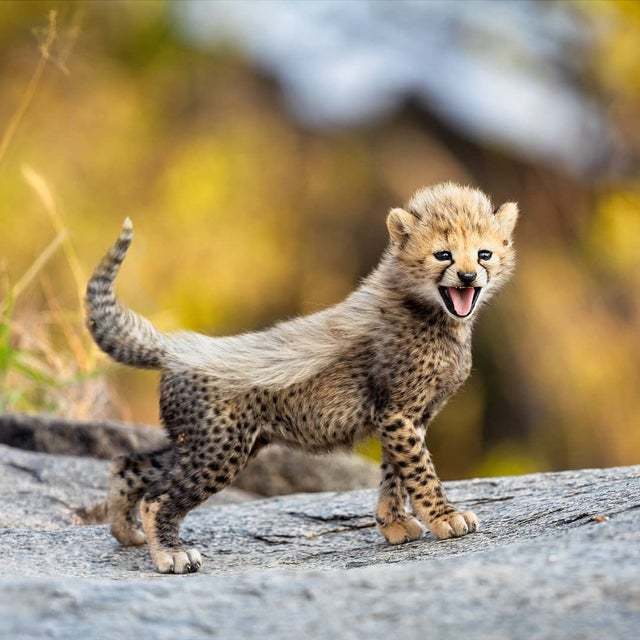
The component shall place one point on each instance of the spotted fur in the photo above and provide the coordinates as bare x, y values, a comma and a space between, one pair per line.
383, 362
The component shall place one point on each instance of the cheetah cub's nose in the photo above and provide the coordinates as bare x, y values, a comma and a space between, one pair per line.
467, 277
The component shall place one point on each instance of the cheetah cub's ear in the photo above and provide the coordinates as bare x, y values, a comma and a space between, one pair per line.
400, 224
507, 216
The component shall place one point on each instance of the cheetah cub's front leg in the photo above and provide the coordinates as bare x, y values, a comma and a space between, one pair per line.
404, 448
394, 523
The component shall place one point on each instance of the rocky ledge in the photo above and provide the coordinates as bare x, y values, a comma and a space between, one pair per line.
557, 556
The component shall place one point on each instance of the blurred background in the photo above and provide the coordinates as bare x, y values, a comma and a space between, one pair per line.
258, 146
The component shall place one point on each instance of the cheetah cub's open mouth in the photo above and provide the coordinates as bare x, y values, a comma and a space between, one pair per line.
460, 301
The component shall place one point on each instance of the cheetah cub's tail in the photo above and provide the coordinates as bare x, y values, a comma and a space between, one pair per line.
124, 335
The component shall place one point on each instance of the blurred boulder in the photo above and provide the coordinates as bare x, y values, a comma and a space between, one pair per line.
276, 470
538, 52
99, 439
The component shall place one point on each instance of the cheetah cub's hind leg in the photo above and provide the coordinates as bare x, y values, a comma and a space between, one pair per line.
208, 461
395, 524
130, 476
161, 519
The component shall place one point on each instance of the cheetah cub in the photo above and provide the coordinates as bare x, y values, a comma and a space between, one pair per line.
384, 361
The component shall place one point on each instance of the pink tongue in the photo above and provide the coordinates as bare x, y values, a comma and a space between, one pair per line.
462, 299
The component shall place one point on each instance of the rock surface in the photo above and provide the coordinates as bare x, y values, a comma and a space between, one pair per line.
274, 471
558, 556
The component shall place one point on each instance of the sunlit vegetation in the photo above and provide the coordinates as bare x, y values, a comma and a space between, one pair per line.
242, 217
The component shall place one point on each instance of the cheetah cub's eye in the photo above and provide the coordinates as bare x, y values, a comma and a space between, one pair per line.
442, 255
484, 254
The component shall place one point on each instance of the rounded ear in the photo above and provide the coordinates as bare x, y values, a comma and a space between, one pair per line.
400, 223
507, 216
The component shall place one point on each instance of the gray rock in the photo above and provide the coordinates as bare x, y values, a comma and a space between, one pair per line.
275, 471
558, 556
278, 471
95, 438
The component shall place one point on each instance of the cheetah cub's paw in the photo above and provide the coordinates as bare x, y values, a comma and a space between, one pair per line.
454, 525
128, 536
188, 561
400, 531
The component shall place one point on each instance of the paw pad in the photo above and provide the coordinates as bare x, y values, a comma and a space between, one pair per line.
178, 562
400, 531
454, 525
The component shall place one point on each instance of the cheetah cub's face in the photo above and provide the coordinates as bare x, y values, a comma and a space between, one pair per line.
452, 247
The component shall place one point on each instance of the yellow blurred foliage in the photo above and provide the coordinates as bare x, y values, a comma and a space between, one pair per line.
613, 238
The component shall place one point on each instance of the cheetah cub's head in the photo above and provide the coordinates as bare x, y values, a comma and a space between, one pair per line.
452, 247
